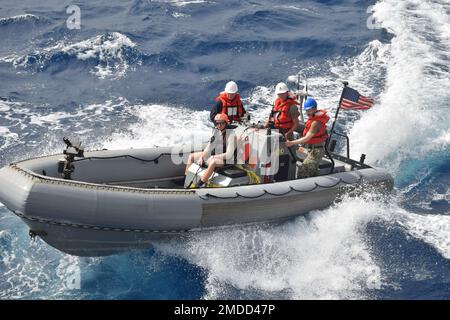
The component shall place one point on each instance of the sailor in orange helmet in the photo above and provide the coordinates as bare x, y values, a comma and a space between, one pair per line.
229, 102
220, 149
314, 138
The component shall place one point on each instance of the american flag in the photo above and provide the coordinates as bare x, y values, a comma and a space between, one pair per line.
352, 100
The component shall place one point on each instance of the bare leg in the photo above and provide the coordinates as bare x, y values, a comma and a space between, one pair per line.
213, 163
191, 159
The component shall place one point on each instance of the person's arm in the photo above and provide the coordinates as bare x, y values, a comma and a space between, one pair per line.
266, 124
243, 117
315, 127
205, 152
294, 127
293, 114
209, 147
215, 110
293, 96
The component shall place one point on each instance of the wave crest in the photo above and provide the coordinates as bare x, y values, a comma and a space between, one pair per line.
19, 19
111, 54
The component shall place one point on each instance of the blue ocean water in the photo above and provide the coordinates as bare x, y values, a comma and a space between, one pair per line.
140, 73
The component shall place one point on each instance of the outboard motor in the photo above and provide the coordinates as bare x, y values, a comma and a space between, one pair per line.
65, 166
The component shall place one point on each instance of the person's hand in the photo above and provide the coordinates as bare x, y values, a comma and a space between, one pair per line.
200, 160
292, 95
289, 143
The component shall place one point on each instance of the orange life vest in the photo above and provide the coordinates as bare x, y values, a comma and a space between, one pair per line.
322, 135
232, 108
280, 113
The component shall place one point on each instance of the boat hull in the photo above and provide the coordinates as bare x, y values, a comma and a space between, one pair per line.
91, 219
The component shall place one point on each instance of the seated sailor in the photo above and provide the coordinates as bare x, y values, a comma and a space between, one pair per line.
219, 151
229, 102
314, 138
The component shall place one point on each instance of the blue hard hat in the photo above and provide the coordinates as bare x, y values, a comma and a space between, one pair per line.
309, 103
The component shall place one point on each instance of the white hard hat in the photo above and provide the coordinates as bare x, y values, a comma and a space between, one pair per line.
281, 88
231, 87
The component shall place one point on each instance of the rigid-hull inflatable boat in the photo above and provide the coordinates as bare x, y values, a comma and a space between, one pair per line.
104, 202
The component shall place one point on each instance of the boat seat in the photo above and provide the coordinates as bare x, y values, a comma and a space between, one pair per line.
231, 171
324, 164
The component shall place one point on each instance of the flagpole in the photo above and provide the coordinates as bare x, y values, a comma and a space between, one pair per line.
345, 83
306, 95
302, 98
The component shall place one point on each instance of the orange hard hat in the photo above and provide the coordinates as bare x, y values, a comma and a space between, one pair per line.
221, 117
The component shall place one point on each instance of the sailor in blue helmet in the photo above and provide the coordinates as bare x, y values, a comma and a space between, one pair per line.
314, 138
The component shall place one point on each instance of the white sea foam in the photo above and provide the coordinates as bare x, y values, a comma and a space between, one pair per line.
107, 49
110, 50
52, 118
297, 8
326, 257
23, 277
15, 59
84, 121
432, 229
180, 15
414, 70
410, 116
4, 107
5, 132
69, 272
410, 120
182, 3
179, 126
9, 137
262, 99
19, 18
442, 141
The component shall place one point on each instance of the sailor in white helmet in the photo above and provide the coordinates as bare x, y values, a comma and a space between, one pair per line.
229, 102
284, 114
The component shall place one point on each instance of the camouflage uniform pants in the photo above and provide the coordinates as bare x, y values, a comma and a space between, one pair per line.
310, 166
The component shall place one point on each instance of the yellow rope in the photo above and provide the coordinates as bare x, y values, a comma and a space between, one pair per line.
253, 177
